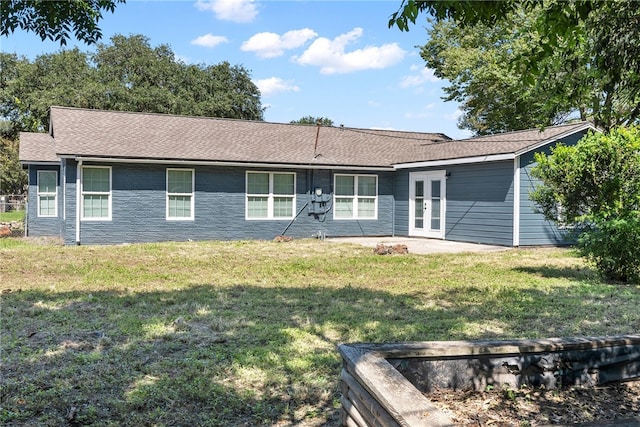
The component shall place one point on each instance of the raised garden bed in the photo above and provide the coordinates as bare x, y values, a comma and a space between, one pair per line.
386, 384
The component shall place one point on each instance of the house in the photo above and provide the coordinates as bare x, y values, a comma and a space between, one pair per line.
106, 177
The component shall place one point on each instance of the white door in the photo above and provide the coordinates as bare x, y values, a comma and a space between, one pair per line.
427, 204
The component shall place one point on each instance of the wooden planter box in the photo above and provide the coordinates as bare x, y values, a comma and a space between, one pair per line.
383, 384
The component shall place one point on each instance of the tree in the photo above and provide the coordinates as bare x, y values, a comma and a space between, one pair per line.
136, 76
12, 177
590, 48
55, 20
492, 96
594, 188
126, 75
310, 120
65, 78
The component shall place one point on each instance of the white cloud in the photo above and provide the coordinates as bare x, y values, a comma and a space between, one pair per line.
274, 85
454, 116
423, 76
241, 11
209, 40
271, 45
331, 56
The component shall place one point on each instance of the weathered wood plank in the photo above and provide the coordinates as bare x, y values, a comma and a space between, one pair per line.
492, 347
391, 390
352, 412
366, 404
375, 387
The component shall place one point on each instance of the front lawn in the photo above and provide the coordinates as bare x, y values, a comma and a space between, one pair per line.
245, 333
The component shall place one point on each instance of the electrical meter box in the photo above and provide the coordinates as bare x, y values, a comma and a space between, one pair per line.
319, 203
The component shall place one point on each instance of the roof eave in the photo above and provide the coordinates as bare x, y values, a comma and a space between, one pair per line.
456, 161
40, 162
192, 162
583, 127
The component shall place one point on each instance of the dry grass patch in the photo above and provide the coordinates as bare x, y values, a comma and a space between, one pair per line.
244, 333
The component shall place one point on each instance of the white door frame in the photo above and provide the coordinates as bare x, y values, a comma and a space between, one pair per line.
427, 202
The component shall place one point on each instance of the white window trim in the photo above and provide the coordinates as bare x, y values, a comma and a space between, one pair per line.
270, 197
192, 195
355, 198
48, 194
102, 193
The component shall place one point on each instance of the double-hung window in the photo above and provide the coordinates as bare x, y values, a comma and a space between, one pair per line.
96, 192
270, 195
47, 193
180, 194
356, 196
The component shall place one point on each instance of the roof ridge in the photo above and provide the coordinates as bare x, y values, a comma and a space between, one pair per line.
540, 129
341, 127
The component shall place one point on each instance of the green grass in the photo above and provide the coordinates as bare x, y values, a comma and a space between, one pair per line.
245, 333
12, 216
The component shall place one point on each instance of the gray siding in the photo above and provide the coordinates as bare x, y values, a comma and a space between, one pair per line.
139, 208
401, 203
479, 205
535, 230
69, 220
42, 226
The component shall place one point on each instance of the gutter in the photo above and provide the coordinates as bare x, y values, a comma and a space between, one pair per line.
458, 161
222, 163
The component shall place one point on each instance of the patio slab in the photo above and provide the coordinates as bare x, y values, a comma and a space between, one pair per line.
421, 245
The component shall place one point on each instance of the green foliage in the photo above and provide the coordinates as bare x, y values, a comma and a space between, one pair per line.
462, 11
492, 95
571, 57
126, 75
56, 20
613, 245
12, 177
310, 120
594, 186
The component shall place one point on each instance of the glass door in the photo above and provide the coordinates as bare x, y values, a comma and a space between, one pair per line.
427, 204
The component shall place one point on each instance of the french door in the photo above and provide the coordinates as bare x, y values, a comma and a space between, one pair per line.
427, 204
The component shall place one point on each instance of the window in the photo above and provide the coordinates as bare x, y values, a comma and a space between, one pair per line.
270, 195
356, 197
96, 192
47, 193
180, 194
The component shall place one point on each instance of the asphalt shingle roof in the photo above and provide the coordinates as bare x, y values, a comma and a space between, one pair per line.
37, 147
125, 135
516, 142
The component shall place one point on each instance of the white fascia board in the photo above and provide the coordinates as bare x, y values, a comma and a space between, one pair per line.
458, 161
222, 163
585, 126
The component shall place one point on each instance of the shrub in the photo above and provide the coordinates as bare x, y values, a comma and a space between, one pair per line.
594, 187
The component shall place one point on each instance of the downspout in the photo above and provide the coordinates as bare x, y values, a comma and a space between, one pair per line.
393, 206
63, 184
516, 201
78, 200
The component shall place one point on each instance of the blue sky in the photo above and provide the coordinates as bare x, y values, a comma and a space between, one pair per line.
335, 59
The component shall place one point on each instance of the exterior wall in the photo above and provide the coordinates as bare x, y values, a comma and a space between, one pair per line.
139, 208
479, 204
535, 230
42, 226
